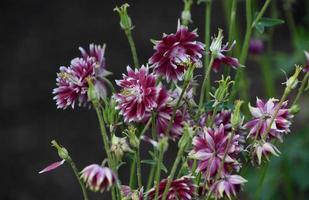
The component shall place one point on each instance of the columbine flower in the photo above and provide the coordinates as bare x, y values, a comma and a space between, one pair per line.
306, 68
138, 96
181, 188
256, 46
174, 51
130, 194
72, 81
262, 117
264, 149
164, 114
227, 186
98, 178
209, 148
218, 51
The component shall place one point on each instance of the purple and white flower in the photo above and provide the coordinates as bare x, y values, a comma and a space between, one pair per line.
262, 114
174, 51
138, 94
182, 188
306, 68
264, 149
228, 186
98, 178
209, 148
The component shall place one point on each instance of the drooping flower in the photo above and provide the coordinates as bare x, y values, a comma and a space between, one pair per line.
98, 178
262, 115
130, 194
256, 46
227, 186
263, 149
306, 68
209, 148
138, 95
218, 51
174, 51
72, 81
181, 188
164, 115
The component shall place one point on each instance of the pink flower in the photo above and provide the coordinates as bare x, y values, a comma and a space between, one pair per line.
262, 115
138, 95
306, 68
264, 149
218, 51
98, 178
256, 46
209, 148
227, 186
129, 194
174, 51
72, 81
182, 189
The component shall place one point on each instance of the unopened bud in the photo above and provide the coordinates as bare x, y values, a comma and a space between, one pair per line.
125, 20
62, 152
186, 15
133, 139
222, 91
236, 117
292, 82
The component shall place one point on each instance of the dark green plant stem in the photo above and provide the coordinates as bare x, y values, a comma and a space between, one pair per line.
302, 88
110, 161
132, 173
240, 79
75, 170
291, 25
208, 7
204, 85
158, 172
267, 75
173, 171
138, 169
154, 136
133, 48
261, 181
232, 21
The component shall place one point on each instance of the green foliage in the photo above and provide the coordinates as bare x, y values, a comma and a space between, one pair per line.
266, 22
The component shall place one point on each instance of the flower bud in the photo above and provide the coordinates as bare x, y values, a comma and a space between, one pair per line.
292, 82
62, 152
294, 109
186, 15
133, 139
119, 146
110, 114
222, 91
125, 20
189, 72
236, 117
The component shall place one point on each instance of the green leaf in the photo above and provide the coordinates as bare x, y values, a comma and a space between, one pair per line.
149, 162
266, 22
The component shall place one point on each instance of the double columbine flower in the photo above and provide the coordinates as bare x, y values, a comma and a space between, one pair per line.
174, 51
181, 188
218, 51
263, 149
138, 95
209, 148
262, 118
72, 81
98, 178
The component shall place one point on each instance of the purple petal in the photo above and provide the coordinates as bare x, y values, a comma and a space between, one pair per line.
52, 166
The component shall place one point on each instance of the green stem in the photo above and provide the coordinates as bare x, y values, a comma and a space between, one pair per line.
71, 162
208, 7
138, 162
158, 172
204, 85
133, 48
232, 20
261, 181
132, 173
173, 171
302, 88
268, 78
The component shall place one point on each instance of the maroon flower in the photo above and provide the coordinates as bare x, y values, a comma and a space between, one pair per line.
181, 188
256, 46
218, 51
306, 68
227, 186
98, 178
209, 148
174, 51
138, 96
72, 81
262, 118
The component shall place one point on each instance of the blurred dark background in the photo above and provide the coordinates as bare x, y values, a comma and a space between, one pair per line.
39, 36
